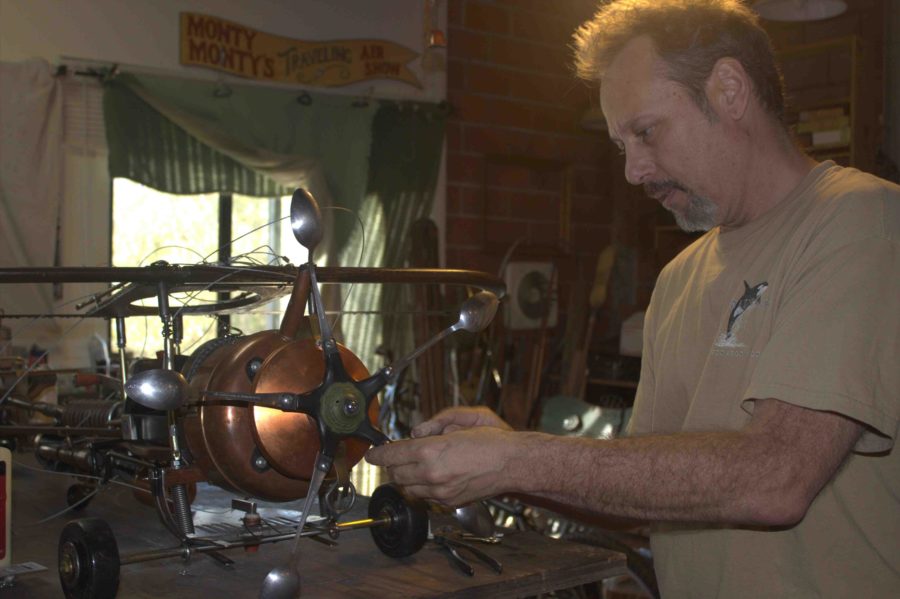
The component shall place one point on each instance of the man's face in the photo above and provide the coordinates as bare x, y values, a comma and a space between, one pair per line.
670, 144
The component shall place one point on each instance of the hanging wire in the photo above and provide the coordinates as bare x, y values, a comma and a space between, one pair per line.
69, 508
362, 252
239, 237
195, 295
146, 335
171, 247
104, 484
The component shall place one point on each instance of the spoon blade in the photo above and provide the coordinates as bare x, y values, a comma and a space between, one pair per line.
475, 518
281, 583
158, 389
306, 220
478, 311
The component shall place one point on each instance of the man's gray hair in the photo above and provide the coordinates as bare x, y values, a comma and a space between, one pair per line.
689, 36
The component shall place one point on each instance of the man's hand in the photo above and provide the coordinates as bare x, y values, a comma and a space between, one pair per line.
454, 419
453, 468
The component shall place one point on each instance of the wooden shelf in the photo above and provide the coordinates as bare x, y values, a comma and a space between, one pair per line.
835, 89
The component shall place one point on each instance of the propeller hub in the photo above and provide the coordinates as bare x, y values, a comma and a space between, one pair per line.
340, 408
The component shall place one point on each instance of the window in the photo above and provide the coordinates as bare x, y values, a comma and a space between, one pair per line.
149, 225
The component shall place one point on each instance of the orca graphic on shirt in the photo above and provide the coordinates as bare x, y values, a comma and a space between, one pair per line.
751, 297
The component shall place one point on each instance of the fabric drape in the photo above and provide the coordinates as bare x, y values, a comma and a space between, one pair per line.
31, 147
407, 141
149, 148
317, 141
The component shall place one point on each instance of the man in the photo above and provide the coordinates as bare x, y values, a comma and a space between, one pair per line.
762, 438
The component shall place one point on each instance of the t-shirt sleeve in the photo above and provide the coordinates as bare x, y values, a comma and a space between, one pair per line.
835, 343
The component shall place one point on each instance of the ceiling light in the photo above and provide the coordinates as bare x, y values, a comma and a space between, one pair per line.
799, 10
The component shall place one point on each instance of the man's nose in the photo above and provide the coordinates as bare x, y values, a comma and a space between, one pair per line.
638, 167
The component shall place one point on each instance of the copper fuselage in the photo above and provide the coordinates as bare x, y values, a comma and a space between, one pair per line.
227, 441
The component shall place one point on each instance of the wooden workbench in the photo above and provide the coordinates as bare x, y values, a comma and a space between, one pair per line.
533, 564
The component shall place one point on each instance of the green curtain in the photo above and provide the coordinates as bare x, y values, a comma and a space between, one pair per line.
297, 139
379, 159
407, 141
148, 148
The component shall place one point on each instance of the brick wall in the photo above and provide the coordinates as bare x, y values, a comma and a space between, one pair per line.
514, 139
824, 74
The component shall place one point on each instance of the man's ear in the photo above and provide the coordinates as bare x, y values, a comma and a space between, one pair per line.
729, 88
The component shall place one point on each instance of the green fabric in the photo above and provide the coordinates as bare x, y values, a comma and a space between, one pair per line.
148, 148
297, 139
407, 141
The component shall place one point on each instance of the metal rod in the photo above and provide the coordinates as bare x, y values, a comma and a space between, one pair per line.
155, 554
60, 430
201, 275
364, 523
166, 317
224, 257
128, 459
120, 343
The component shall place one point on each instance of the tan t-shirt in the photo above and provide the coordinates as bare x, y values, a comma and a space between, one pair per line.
800, 305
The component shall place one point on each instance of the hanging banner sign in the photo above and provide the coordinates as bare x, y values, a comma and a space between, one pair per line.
215, 43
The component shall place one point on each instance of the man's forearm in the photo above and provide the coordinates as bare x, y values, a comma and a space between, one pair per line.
767, 473
702, 477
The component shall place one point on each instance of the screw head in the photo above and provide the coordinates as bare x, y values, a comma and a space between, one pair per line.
351, 406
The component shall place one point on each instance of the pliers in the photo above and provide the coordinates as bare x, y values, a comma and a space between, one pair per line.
452, 546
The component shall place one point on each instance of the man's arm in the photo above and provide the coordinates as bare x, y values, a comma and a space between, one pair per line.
765, 474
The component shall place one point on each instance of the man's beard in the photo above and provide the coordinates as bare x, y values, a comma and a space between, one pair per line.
701, 213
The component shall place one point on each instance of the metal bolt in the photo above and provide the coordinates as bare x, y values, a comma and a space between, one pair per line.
258, 462
351, 406
252, 368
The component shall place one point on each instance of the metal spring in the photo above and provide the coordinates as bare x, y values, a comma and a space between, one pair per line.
182, 509
91, 412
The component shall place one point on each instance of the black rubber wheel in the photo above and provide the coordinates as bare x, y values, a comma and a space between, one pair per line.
88, 560
408, 529
76, 494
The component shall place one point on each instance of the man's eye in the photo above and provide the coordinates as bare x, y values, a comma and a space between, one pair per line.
643, 134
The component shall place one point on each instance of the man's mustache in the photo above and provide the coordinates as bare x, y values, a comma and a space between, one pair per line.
659, 189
